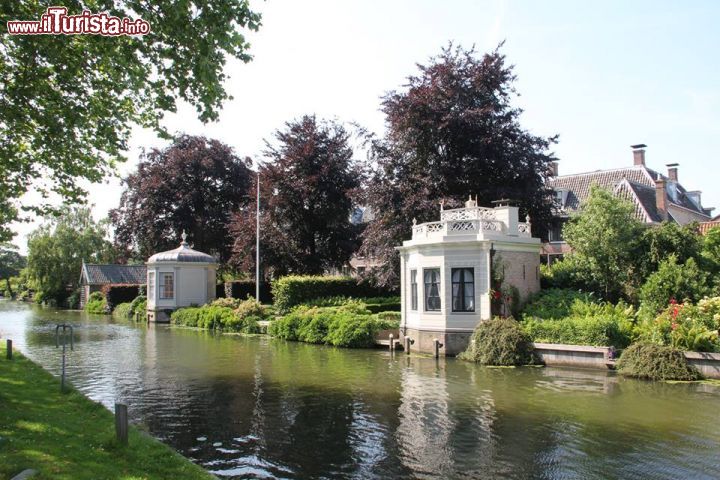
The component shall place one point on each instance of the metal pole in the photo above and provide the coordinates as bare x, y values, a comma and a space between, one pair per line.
257, 240
62, 378
9, 349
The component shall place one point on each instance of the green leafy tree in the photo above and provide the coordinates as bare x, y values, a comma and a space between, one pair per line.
67, 103
668, 238
11, 263
58, 247
675, 282
605, 238
710, 254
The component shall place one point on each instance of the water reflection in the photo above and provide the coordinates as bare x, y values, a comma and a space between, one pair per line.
251, 407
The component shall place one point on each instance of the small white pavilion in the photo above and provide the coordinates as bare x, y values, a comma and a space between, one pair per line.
179, 278
446, 272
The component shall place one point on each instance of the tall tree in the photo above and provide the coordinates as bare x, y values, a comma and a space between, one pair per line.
67, 103
58, 247
452, 132
605, 238
306, 190
11, 262
193, 185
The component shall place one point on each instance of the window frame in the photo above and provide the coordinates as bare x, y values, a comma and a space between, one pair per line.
462, 283
427, 288
164, 285
413, 290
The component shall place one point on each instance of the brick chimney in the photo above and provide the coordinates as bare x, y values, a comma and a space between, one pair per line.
672, 171
553, 169
638, 153
661, 198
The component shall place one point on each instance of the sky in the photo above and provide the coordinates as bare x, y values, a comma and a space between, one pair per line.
601, 75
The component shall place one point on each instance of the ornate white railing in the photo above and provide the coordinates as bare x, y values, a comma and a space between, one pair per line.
476, 213
524, 229
457, 227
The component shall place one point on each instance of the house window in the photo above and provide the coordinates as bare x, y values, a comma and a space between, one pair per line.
463, 290
167, 286
413, 290
151, 285
432, 289
555, 233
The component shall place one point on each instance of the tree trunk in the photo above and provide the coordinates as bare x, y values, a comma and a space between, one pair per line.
9, 288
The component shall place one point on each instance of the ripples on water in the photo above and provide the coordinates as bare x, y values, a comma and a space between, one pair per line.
250, 407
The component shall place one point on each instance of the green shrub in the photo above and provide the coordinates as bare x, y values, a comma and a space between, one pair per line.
352, 330
7, 294
226, 302
188, 316
562, 274
139, 303
123, 311
294, 290
140, 309
595, 330
96, 303
389, 320
499, 341
286, 327
681, 282
555, 303
251, 308
655, 362
73, 301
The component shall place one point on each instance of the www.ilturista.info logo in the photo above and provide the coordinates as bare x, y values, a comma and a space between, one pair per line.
56, 21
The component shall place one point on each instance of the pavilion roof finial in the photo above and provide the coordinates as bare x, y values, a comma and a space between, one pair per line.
183, 235
470, 202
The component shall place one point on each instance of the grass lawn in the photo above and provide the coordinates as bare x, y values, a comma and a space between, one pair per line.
68, 436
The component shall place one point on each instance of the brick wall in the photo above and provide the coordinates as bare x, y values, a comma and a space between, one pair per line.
522, 270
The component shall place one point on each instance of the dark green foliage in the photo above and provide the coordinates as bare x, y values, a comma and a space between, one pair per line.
500, 341
595, 330
563, 274
123, 311
11, 262
674, 281
242, 289
96, 303
655, 362
389, 320
117, 294
73, 301
669, 239
294, 290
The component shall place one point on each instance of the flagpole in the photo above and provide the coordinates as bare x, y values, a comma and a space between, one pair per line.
257, 241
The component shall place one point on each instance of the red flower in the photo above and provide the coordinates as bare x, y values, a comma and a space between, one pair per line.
497, 294
673, 301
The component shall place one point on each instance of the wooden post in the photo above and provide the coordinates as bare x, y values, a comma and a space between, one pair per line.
407, 345
437, 345
121, 423
392, 342
9, 349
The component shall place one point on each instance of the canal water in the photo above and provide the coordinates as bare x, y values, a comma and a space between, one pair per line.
253, 407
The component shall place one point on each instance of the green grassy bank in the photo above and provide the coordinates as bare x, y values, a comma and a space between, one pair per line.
68, 436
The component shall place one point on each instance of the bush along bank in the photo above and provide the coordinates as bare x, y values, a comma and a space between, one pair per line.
223, 314
69, 437
499, 342
135, 310
349, 324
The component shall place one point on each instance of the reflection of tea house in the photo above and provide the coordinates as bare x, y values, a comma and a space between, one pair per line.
446, 272
178, 278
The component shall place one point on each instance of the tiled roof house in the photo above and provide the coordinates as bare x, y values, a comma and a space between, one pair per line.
656, 197
94, 276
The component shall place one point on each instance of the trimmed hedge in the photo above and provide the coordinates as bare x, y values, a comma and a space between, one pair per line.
597, 331
242, 289
655, 362
499, 342
117, 294
294, 290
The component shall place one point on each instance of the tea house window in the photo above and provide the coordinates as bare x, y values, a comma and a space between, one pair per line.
432, 289
463, 290
167, 287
